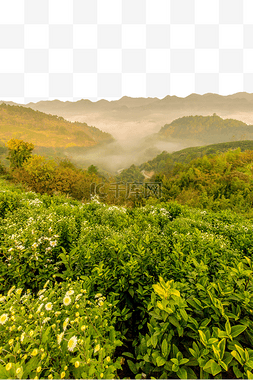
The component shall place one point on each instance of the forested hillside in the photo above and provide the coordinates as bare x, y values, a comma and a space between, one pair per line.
222, 181
47, 130
212, 129
165, 161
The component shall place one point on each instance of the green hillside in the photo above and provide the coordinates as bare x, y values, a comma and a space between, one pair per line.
165, 162
48, 131
206, 128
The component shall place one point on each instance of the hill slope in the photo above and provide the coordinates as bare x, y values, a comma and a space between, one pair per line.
46, 130
165, 161
206, 128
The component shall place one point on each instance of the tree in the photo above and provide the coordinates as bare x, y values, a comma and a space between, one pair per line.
92, 169
19, 152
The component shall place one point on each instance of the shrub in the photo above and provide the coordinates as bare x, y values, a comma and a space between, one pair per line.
59, 333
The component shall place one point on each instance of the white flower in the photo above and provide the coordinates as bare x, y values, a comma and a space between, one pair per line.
78, 297
41, 291
46, 320
72, 343
21, 247
66, 300
22, 337
34, 245
4, 318
2, 299
53, 243
49, 306
39, 308
70, 292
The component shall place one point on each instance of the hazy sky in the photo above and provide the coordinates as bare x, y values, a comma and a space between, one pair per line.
105, 49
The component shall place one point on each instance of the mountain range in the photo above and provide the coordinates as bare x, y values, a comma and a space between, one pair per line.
138, 117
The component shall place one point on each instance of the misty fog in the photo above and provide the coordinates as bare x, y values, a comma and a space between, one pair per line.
124, 153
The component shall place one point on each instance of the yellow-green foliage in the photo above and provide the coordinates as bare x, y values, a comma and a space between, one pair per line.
223, 180
206, 128
43, 175
46, 130
19, 152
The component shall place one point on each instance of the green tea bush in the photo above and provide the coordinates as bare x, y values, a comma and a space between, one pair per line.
204, 257
196, 337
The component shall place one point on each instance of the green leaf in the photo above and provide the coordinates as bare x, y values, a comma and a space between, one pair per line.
112, 335
222, 346
206, 366
3, 373
237, 372
175, 368
183, 361
164, 348
182, 373
246, 355
212, 367
202, 337
160, 305
154, 340
175, 292
174, 321
195, 347
224, 365
228, 327
215, 368
237, 330
92, 370
249, 375
216, 352
160, 361
249, 363
241, 351
198, 302
184, 314
222, 334
236, 356
194, 353
205, 322
132, 366
129, 354
212, 340
45, 335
